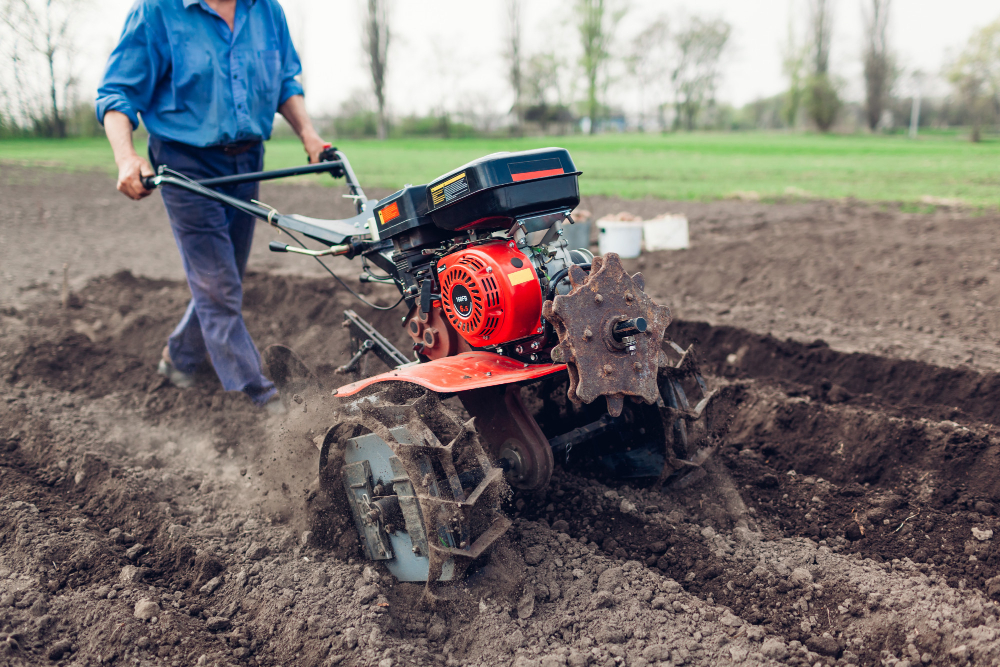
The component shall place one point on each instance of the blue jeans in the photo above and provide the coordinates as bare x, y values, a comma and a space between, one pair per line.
214, 241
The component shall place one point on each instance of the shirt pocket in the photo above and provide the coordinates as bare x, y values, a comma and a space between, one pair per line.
195, 71
268, 74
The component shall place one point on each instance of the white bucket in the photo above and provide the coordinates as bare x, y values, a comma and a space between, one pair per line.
624, 238
667, 232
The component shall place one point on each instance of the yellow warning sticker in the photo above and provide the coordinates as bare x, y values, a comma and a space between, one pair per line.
453, 188
522, 276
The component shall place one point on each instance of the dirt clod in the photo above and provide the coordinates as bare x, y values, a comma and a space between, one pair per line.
146, 609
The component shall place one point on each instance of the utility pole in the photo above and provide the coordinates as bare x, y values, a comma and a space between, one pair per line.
915, 109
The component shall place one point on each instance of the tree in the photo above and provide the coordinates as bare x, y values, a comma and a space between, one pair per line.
376, 44
647, 61
43, 29
794, 58
878, 65
596, 23
822, 100
515, 56
975, 74
543, 94
700, 45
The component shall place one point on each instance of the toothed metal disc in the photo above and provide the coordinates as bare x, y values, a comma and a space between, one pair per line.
584, 320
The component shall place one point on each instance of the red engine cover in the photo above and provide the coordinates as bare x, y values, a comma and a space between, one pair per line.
490, 294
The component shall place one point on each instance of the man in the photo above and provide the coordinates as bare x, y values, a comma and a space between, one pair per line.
207, 76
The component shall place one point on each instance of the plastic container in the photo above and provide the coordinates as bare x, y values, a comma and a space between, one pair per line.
624, 238
667, 232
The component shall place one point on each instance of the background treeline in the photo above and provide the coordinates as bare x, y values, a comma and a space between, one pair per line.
669, 72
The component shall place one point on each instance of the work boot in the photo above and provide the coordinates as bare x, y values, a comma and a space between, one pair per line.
177, 377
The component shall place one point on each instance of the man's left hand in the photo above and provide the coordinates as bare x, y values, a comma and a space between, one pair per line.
314, 145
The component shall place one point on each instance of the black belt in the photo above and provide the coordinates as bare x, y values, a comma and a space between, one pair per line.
238, 148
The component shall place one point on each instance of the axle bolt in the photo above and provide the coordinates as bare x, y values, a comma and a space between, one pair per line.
626, 328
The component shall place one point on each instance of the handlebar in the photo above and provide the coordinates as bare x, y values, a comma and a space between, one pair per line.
334, 233
328, 162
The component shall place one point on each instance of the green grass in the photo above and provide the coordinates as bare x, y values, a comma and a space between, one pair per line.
677, 166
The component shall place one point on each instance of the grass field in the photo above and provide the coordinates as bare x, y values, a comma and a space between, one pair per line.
674, 166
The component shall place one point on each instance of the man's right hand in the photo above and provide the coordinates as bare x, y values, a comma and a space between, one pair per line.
131, 169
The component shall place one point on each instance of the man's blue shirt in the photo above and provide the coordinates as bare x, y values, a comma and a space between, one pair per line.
193, 79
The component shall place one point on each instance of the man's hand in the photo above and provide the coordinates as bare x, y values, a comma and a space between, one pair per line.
314, 145
131, 169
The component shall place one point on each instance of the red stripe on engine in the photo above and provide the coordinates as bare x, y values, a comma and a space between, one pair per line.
530, 175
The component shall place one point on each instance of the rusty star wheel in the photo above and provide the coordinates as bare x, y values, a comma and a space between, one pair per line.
610, 334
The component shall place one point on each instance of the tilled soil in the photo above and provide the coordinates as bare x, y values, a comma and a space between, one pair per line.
847, 517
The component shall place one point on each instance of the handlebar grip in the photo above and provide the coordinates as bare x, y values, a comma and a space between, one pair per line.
148, 182
277, 246
329, 154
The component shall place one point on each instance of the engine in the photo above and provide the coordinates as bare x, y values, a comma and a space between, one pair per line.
477, 251
491, 294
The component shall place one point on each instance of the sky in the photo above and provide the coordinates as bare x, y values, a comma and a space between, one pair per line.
448, 53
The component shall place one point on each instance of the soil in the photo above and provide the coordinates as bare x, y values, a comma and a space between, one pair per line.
847, 517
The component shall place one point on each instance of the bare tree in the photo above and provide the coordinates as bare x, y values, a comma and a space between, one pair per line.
596, 23
43, 28
794, 58
544, 94
648, 61
822, 100
878, 65
822, 29
376, 44
700, 45
515, 57
541, 79
975, 74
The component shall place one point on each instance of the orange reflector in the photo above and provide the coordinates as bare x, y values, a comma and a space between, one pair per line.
389, 213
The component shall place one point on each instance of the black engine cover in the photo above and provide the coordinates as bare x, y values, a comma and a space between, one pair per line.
489, 193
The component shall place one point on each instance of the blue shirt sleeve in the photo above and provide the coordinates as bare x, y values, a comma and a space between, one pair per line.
291, 67
133, 70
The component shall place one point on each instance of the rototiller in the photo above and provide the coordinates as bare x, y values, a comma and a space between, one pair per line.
502, 313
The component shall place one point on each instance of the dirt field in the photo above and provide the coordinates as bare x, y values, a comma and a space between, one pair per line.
848, 518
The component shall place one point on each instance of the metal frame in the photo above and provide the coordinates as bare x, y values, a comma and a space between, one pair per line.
367, 338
